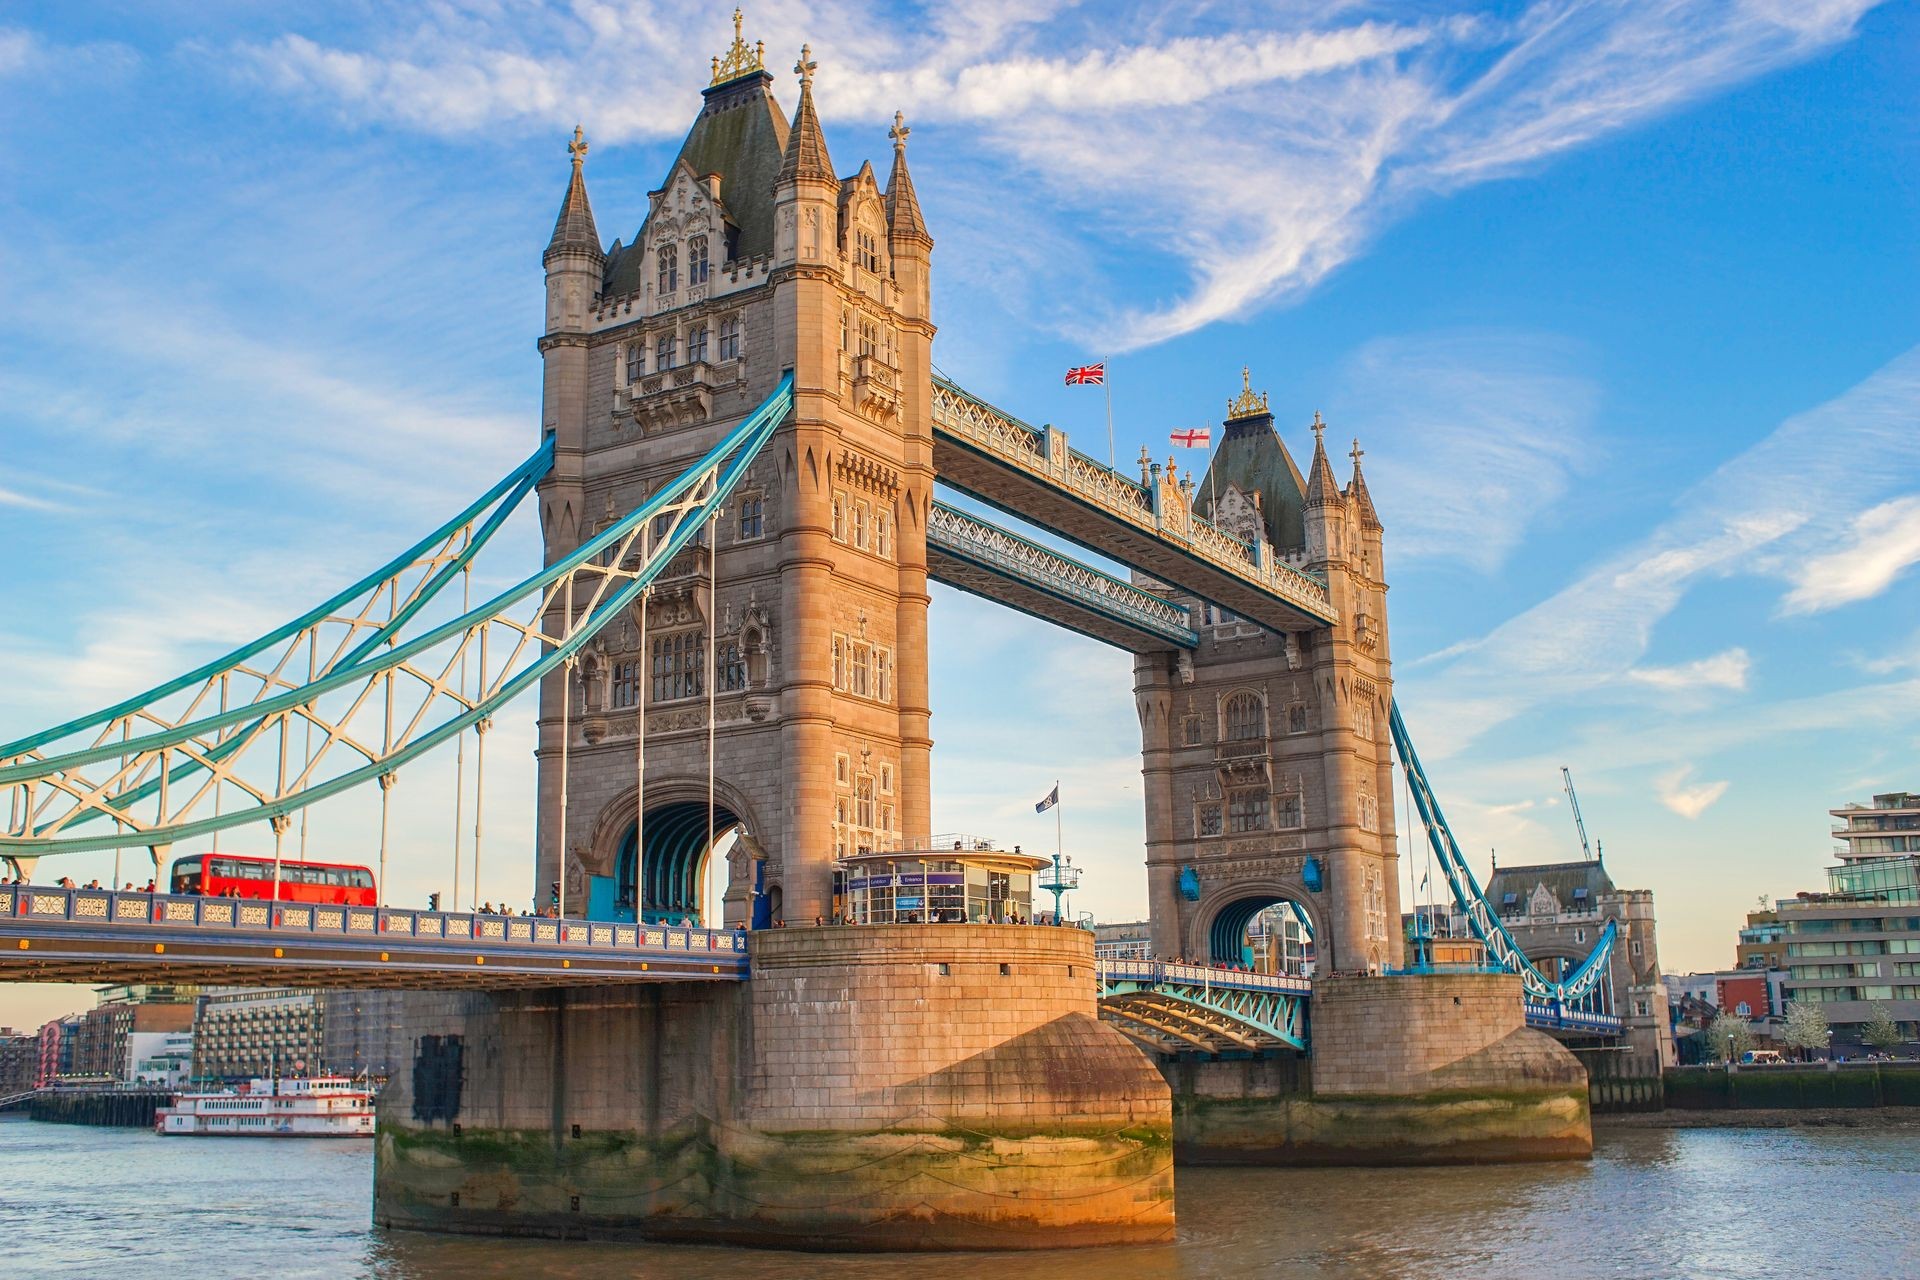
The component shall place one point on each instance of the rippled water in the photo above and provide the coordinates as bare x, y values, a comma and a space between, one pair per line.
1697, 1203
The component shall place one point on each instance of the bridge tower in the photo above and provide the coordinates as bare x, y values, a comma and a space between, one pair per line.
1267, 762
753, 259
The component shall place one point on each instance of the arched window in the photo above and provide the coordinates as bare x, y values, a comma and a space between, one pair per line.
663, 352
697, 345
1243, 717
697, 260
1297, 718
669, 260
636, 361
866, 251
1291, 816
730, 338
882, 534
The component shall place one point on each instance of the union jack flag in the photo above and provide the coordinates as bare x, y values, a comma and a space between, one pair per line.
1095, 374
1195, 438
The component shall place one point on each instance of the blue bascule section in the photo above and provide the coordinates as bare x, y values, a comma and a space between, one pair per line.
1191, 1007
360, 685
1578, 1001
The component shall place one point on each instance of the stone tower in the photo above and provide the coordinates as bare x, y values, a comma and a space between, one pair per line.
1267, 760
753, 259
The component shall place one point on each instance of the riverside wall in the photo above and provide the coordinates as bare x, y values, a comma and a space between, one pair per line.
1420, 1069
884, 1087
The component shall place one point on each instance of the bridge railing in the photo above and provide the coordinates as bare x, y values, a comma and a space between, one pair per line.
163, 911
1163, 971
1553, 1015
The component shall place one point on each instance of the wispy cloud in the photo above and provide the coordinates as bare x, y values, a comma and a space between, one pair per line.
1250, 164
1689, 801
1726, 670
1882, 542
16, 50
1477, 434
27, 501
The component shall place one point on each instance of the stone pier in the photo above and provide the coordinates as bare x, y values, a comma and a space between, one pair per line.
1421, 1069
885, 1087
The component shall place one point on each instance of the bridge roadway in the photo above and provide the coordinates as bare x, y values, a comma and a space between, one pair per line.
98, 935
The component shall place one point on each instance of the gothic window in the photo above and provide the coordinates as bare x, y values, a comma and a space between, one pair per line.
846, 330
839, 518
863, 801
730, 338
869, 337
839, 663
886, 779
1247, 811
663, 351
886, 817
697, 260
661, 525
669, 260
882, 534
883, 681
1209, 819
1297, 718
636, 361
732, 667
677, 661
753, 514
1292, 816
1243, 717
1369, 813
1374, 896
1363, 720
866, 251
860, 670
1191, 731
842, 772
860, 525
626, 683
697, 345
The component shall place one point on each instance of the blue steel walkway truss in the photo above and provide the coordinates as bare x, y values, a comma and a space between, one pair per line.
1186, 1007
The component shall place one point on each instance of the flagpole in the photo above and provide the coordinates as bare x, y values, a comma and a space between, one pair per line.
1213, 496
1106, 383
1059, 850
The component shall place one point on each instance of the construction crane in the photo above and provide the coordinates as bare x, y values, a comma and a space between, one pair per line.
1574, 800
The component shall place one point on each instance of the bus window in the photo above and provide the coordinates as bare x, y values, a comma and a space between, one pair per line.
186, 881
362, 879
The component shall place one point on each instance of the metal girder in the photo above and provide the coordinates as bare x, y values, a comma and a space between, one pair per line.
981, 557
382, 698
1209, 1009
1575, 989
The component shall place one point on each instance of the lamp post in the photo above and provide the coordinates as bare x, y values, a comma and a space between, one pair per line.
1063, 877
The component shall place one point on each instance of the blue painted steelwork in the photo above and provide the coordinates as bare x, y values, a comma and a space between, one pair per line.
686, 502
1584, 988
1002, 552
1199, 1007
1552, 1017
51, 932
676, 860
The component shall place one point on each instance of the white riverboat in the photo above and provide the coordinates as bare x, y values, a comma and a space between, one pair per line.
319, 1107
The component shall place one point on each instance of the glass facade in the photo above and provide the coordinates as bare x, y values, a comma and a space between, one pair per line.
936, 888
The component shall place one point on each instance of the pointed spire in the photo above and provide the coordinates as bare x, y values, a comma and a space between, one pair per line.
1362, 500
574, 228
806, 146
903, 206
1322, 489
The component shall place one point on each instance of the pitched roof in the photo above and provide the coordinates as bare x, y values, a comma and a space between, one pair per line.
1253, 459
1561, 879
740, 134
1362, 500
1322, 489
903, 206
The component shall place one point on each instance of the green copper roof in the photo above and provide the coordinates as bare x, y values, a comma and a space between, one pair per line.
1252, 459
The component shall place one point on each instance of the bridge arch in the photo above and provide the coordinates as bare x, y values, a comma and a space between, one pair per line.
677, 853
1216, 931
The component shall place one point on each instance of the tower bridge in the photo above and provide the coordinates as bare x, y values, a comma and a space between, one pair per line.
741, 445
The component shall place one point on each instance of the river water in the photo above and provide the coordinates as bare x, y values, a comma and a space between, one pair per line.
126, 1205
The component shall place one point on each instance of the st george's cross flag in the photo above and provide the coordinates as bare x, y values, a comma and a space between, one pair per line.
1089, 374
1053, 798
1196, 438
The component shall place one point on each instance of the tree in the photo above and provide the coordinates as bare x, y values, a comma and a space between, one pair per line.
1730, 1036
1881, 1031
1806, 1028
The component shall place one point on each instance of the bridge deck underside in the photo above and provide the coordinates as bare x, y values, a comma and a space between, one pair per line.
90, 953
1029, 497
1033, 599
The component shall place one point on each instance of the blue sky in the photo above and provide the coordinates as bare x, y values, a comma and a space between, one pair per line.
1623, 302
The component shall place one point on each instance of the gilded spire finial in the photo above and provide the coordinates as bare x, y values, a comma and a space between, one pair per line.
899, 131
806, 66
1249, 403
739, 60
578, 147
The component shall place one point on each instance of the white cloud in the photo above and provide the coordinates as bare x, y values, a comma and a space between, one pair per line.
1882, 542
14, 498
1687, 801
1250, 163
16, 50
1477, 434
1727, 670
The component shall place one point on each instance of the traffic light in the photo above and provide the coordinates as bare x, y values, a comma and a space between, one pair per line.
553, 895
433, 902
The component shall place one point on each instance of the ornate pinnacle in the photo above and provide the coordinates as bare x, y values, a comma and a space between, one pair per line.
1318, 426
806, 66
899, 131
739, 60
578, 147
1357, 453
1248, 403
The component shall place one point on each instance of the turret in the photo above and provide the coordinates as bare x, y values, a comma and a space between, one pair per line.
575, 265
1326, 507
907, 239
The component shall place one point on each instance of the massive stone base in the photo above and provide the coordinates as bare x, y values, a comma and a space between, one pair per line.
932, 1087
1427, 1069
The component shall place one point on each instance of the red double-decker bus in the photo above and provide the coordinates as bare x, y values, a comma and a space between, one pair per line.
219, 875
